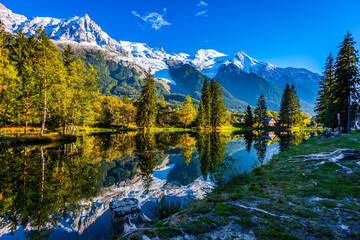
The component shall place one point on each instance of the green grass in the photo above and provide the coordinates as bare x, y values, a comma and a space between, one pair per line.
285, 187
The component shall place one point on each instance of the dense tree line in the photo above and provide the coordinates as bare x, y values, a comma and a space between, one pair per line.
339, 87
42, 86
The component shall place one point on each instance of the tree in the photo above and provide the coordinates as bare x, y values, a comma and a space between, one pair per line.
162, 102
290, 114
22, 56
325, 111
249, 119
347, 80
147, 108
218, 109
260, 111
204, 116
49, 72
9, 85
187, 111
126, 99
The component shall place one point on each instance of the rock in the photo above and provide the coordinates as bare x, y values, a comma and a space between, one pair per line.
176, 220
126, 216
329, 134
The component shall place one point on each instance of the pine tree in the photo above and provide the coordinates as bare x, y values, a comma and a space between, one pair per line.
204, 116
290, 114
249, 119
347, 80
295, 112
147, 108
324, 109
187, 112
218, 109
260, 111
285, 106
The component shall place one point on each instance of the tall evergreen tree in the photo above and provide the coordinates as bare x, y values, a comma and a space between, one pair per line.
204, 116
325, 111
347, 80
249, 119
290, 114
218, 109
295, 112
260, 111
147, 108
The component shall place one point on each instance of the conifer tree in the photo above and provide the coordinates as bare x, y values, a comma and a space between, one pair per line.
204, 116
147, 108
260, 111
290, 114
285, 106
325, 96
218, 109
325, 111
187, 112
249, 119
347, 80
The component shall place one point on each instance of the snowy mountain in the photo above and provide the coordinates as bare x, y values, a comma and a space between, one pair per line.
83, 33
10, 20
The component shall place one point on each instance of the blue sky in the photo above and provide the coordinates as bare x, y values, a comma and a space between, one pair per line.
298, 33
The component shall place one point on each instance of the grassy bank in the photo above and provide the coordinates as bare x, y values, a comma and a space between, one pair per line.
34, 139
288, 198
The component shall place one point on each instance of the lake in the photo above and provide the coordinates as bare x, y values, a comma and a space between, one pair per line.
63, 191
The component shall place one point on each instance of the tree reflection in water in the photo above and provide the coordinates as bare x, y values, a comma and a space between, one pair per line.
41, 184
146, 154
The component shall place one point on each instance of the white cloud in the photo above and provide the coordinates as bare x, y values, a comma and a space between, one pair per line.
202, 13
155, 20
202, 4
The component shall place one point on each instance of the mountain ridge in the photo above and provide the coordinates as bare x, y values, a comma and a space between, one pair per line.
84, 34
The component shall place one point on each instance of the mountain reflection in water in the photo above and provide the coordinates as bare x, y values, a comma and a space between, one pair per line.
63, 191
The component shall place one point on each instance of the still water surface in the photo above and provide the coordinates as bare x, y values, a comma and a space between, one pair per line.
63, 191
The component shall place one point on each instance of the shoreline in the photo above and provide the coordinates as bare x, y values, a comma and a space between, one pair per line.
291, 197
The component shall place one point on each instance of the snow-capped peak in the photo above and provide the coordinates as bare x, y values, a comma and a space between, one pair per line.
248, 64
208, 61
10, 20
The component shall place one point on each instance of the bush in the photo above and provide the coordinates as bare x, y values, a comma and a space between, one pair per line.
164, 207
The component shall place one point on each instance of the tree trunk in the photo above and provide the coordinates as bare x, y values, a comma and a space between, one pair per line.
43, 121
348, 114
26, 112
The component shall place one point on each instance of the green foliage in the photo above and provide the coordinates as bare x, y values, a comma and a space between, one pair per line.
260, 111
290, 114
147, 108
347, 81
187, 112
222, 209
49, 88
164, 207
249, 119
218, 109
